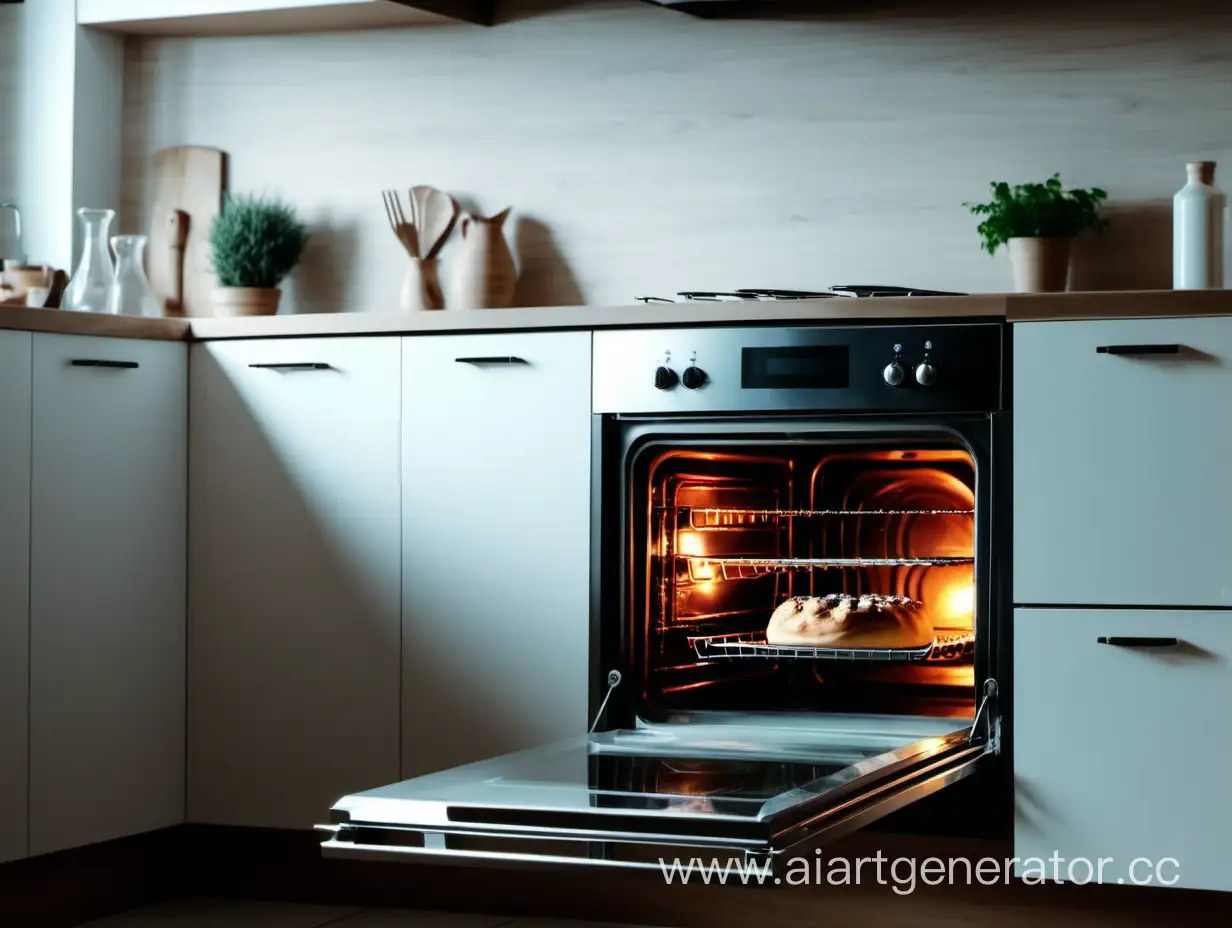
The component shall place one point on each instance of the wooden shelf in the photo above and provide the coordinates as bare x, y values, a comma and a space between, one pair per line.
261, 17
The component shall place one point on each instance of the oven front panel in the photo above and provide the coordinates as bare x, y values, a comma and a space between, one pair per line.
821, 369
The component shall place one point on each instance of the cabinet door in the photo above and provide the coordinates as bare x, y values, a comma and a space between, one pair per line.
1120, 749
496, 541
1120, 484
294, 585
14, 589
107, 589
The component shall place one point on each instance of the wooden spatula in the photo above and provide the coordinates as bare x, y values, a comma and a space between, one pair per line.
438, 215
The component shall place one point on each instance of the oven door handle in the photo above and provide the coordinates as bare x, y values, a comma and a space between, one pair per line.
1134, 350
1123, 641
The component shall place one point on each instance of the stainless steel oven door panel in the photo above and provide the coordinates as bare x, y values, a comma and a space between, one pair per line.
626, 798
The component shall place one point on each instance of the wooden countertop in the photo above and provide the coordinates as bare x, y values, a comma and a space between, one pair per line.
1043, 307
66, 322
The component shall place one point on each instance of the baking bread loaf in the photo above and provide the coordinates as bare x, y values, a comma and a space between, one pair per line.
840, 621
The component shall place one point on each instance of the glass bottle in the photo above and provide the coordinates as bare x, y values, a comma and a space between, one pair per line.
1198, 212
131, 294
88, 290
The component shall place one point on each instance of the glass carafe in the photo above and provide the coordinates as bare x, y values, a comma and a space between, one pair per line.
91, 284
131, 294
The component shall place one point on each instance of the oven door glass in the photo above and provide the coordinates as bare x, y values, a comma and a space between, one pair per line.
756, 795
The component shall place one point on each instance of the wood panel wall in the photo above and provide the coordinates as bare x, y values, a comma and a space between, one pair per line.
648, 152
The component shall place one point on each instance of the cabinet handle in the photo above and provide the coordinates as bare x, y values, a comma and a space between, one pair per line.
507, 359
1131, 642
102, 362
295, 366
1138, 349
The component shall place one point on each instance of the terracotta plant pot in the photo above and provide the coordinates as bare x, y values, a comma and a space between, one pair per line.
1041, 265
245, 301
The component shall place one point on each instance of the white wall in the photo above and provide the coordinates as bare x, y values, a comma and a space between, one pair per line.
648, 152
10, 73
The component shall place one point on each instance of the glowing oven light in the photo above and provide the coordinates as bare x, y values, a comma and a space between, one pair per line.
958, 602
690, 543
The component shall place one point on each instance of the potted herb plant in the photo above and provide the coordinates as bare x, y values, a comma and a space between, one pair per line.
256, 241
1039, 223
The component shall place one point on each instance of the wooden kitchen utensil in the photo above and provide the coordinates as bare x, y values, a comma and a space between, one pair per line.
484, 276
188, 189
437, 215
419, 206
405, 231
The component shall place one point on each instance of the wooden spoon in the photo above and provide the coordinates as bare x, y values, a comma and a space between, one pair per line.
419, 204
438, 216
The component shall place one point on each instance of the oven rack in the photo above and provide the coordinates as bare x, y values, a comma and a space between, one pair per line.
701, 519
744, 568
746, 645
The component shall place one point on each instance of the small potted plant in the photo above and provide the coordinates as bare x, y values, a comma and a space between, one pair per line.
1039, 223
256, 241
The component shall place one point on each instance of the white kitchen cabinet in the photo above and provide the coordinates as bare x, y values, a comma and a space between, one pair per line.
496, 542
15, 350
1120, 751
203, 17
107, 589
294, 581
1120, 462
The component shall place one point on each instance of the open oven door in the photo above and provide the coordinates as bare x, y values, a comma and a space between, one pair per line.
757, 795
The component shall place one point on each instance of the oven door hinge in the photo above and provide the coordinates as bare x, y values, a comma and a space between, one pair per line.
990, 731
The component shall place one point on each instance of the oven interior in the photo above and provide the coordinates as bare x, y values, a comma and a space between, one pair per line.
730, 533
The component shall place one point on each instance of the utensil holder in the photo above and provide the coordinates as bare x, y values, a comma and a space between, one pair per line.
421, 287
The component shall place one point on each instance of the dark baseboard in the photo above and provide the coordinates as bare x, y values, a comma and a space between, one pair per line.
70, 887
66, 889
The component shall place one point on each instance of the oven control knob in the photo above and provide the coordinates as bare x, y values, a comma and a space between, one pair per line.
693, 377
894, 374
665, 378
926, 374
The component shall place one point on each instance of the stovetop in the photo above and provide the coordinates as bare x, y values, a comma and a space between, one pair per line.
754, 295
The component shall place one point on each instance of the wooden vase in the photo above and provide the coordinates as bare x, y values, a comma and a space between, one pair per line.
484, 273
1041, 265
421, 288
245, 301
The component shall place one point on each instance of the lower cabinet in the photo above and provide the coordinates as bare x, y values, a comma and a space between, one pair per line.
107, 580
294, 584
495, 544
15, 350
1121, 748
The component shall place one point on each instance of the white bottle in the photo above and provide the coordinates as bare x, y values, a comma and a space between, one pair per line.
1197, 230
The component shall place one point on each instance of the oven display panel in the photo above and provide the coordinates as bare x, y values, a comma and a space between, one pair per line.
800, 367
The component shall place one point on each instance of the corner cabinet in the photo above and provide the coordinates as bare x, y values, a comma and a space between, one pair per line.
15, 348
107, 579
294, 585
496, 544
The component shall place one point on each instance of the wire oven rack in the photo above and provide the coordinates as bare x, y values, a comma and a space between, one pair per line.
728, 518
741, 568
745, 645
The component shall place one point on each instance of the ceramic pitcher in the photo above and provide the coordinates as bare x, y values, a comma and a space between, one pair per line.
484, 275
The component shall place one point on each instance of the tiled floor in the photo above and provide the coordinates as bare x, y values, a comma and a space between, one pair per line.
217, 913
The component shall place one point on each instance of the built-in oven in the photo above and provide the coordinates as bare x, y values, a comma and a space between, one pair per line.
799, 579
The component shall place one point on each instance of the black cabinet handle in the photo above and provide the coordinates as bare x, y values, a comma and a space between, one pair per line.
102, 362
508, 359
295, 366
1138, 349
1131, 642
